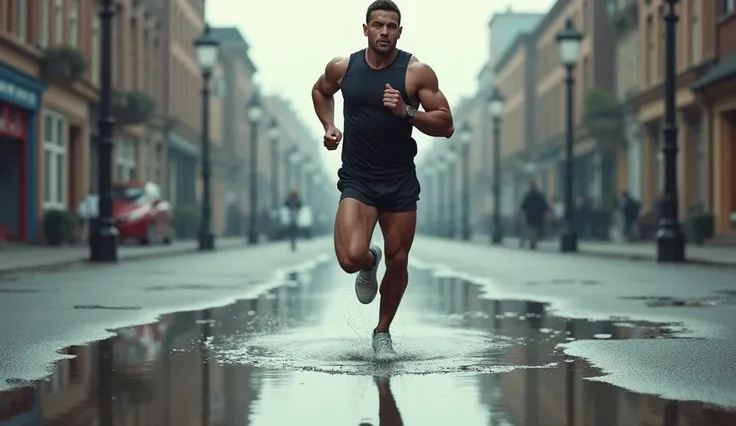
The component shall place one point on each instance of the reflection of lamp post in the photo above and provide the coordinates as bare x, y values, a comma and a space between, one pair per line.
255, 112
104, 241
670, 239
273, 137
206, 48
206, 323
465, 138
495, 107
568, 41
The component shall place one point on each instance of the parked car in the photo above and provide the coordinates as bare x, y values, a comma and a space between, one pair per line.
141, 213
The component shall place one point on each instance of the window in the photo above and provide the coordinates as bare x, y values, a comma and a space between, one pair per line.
21, 29
651, 51
55, 143
125, 158
729, 6
59, 21
73, 23
43, 36
96, 46
694, 31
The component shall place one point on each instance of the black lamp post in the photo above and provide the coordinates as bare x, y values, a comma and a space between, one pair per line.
495, 107
206, 47
104, 240
568, 41
670, 238
255, 113
273, 136
465, 138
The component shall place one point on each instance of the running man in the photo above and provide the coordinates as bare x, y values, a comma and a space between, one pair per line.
382, 88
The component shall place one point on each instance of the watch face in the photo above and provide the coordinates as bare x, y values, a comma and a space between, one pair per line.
410, 111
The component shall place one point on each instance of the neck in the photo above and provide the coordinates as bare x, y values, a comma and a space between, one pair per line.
380, 60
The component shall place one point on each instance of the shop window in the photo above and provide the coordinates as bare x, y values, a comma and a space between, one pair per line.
125, 159
729, 6
695, 31
56, 135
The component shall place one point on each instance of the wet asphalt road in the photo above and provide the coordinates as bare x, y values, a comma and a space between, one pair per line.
296, 350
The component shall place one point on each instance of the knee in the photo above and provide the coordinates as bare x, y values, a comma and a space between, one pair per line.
397, 261
352, 259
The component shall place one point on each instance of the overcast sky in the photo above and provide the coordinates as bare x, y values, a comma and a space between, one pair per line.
291, 41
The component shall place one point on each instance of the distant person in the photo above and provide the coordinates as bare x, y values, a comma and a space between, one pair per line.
88, 213
382, 88
293, 204
629, 208
534, 208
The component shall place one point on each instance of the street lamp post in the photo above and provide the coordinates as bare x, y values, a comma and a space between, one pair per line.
293, 161
273, 137
104, 241
495, 107
568, 41
670, 238
465, 138
206, 49
255, 113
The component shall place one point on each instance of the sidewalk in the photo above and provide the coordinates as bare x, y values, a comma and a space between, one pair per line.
25, 258
646, 250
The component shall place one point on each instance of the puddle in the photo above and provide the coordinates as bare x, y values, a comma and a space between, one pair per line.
672, 302
303, 348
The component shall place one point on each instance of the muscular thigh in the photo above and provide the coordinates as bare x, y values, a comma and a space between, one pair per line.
398, 233
354, 226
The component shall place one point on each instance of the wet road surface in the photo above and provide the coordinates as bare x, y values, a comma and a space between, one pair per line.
300, 353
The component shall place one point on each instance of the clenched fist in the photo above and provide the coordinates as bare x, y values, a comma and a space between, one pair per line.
332, 138
393, 101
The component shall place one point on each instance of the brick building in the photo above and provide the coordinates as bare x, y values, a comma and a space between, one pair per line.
45, 122
716, 93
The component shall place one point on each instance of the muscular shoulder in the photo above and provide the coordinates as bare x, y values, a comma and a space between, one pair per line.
336, 69
421, 73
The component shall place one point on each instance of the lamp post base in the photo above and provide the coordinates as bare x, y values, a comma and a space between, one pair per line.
670, 245
104, 247
497, 238
569, 242
206, 241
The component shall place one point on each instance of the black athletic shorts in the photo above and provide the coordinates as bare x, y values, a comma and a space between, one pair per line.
396, 194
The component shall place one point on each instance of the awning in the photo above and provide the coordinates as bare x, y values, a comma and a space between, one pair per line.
725, 69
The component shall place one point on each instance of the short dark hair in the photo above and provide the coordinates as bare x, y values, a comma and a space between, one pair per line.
387, 5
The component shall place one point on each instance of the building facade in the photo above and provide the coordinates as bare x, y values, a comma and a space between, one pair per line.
596, 142
45, 114
716, 93
695, 54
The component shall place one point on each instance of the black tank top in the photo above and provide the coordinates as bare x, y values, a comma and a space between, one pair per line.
377, 144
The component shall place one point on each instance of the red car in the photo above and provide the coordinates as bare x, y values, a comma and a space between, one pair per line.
141, 213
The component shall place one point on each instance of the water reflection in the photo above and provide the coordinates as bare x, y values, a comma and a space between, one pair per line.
165, 374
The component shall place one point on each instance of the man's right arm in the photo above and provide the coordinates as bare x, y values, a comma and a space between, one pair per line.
325, 88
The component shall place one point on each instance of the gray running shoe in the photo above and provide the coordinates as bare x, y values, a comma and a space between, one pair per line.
366, 283
383, 346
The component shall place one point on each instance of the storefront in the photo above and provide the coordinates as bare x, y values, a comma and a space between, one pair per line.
181, 171
19, 103
716, 91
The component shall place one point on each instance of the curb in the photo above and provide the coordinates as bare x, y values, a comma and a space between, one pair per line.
68, 263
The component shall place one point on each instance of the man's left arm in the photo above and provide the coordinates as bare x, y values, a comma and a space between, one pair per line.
436, 119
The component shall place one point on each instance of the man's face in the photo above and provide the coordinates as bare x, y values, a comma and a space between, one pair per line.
383, 31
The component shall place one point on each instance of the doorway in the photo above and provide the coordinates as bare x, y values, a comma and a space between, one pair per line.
11, 182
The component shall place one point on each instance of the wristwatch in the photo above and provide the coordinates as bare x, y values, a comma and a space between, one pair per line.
410, 111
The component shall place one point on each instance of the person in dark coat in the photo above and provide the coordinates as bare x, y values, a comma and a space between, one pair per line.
534, 208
